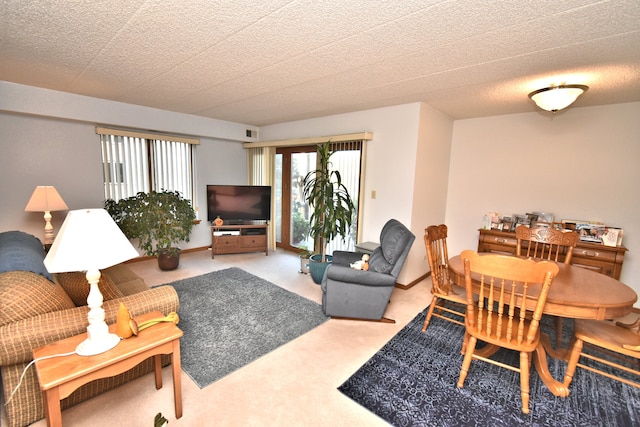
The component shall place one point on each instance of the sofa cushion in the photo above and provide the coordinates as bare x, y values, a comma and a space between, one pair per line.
76, 285
25, 294
125, 279
22, 252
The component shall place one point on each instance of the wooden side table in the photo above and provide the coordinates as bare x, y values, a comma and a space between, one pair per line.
61, 376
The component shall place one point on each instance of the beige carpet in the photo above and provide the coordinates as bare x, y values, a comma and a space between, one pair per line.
295, 385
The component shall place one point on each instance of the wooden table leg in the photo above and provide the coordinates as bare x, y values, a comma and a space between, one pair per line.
540, 361
157, 369
177, 379
52, 410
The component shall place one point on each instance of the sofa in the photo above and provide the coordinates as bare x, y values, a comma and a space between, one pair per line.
37, 308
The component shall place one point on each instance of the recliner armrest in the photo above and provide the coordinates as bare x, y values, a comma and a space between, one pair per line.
360, 277
345, 258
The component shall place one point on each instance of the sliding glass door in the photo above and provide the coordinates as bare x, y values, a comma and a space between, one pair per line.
292, 212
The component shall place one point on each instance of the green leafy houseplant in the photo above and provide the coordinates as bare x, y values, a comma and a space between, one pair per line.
159, 220
333, 208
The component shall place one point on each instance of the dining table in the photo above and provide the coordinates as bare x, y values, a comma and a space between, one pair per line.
576, 293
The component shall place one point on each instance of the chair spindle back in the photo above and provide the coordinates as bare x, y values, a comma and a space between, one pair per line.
503, 286
546, 243
435, 240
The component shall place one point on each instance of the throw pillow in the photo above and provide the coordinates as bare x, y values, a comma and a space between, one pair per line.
24, 294
77, 287
22, 251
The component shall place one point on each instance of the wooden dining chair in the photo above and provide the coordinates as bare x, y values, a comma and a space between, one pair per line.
447, 297
547, 243
615, 337
499, 318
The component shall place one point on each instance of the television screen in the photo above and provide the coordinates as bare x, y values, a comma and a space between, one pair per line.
239, 203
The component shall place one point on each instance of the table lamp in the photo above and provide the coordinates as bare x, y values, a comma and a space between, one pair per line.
45, 198
89, 240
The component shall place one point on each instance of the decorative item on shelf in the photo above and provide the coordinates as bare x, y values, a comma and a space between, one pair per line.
159, 220
333, 209
45, 198
556, 98
218, 221
89, 240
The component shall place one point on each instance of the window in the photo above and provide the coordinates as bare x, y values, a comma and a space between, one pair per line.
134, 161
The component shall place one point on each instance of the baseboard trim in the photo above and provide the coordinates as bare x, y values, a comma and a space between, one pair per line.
415, 282
184, 251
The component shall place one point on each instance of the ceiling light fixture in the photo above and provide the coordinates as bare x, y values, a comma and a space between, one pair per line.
555, 98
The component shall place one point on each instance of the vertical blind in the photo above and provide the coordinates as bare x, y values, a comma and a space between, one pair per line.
133, 162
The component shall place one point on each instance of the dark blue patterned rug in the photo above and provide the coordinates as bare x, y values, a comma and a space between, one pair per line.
412, 381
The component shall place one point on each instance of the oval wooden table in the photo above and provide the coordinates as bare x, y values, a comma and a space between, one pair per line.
576, 293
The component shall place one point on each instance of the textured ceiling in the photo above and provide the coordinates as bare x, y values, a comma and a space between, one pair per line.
272, 61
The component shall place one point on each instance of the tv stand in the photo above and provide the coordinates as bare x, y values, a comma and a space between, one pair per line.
239, 238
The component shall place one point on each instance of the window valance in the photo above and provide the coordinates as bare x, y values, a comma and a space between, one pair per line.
360, 136
146, 135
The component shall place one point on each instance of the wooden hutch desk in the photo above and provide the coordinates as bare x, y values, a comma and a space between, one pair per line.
600, 258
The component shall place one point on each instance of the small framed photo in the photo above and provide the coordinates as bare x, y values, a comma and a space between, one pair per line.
519, 219
507, 224
540, 224
590, 232
542, 217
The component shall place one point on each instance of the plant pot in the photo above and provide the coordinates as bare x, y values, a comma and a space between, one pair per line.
168, 261
304, 264
317, 267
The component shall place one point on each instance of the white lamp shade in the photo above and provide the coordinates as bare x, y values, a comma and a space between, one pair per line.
45, 198
89, 239
557, 97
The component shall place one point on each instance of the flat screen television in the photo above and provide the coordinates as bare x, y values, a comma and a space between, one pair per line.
238, 204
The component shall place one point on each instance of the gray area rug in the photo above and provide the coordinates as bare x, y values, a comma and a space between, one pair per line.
231, 317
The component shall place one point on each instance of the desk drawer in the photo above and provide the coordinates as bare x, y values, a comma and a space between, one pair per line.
598, 254
500, 241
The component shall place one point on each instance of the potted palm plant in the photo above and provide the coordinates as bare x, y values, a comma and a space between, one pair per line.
332, 208
159, 220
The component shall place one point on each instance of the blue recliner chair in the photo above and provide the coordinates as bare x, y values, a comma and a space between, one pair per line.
358, 294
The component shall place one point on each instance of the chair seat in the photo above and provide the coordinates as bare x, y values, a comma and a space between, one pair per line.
502, 341
607, 335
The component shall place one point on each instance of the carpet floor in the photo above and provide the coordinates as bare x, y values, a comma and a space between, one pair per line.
231, 317
412, 381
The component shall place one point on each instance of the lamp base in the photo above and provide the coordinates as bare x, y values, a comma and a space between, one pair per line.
91, 347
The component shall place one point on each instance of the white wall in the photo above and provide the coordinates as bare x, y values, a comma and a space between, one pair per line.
581, 164
63, 150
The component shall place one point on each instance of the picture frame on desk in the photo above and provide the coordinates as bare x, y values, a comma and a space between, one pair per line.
519, 219
591, 232
507, 224
612, 236
540, 224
